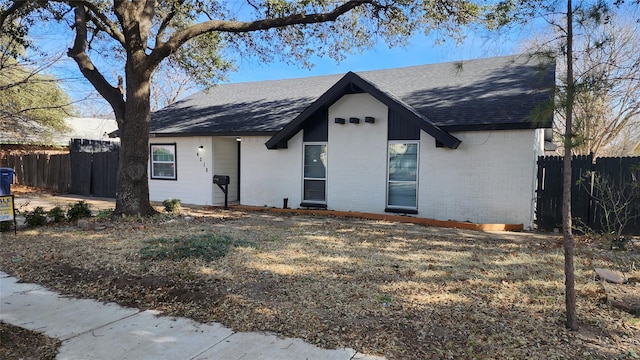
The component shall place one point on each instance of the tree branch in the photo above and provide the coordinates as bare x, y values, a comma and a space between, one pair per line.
166, 21
5, 14
79, 54
181, 37
104, 24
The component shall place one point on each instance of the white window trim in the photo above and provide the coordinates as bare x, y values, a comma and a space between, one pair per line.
417, 181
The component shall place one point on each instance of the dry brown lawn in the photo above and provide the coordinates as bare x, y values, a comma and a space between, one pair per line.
400, 290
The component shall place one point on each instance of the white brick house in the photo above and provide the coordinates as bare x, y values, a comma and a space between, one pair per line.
453, 141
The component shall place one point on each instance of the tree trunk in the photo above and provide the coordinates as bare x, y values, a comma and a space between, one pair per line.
132, 197
570, 292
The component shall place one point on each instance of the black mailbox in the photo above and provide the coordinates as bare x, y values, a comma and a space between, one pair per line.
223, 183
221, 179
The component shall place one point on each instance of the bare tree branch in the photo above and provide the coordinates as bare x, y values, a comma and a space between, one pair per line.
179, 38
78, 53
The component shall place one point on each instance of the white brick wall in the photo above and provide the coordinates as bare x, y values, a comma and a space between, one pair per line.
490, 178
194, 171
269, 176
357, 155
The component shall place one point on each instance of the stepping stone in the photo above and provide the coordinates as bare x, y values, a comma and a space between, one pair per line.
609, 276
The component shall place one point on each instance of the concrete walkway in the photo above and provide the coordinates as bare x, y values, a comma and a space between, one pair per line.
93, 330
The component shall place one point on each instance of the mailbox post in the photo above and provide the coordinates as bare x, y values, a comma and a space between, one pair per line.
223, 183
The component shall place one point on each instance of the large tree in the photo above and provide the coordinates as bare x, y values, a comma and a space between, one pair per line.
144, 33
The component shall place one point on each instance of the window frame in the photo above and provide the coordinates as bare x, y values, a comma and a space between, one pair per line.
401, 208
172, 148
320, 203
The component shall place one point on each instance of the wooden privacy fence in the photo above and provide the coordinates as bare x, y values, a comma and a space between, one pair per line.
94, 173
588, 191
89, 169
44, 171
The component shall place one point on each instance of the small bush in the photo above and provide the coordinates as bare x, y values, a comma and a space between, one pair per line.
36, 217
6, 225
104, 214
57, 215
207, 247
78, 210
172, 205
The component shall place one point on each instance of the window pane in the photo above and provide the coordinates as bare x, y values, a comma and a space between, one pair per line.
403, 162
402, 194
163, 153
163, 170
315, 161
314, 190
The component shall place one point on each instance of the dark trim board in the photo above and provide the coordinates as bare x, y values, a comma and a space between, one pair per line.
401, 211
313, 205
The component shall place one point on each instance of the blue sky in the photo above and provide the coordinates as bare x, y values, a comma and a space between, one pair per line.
421, 49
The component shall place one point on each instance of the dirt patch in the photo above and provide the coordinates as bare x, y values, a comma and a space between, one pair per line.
400, 290
22, 344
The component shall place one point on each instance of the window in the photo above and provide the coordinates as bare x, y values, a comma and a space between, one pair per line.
163, 161
402, 185
315, 173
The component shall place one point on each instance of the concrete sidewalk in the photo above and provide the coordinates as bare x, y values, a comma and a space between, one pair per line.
93, 330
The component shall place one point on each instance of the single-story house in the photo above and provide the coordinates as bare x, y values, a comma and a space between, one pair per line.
450, 141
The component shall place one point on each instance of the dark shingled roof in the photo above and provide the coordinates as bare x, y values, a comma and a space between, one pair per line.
490, 93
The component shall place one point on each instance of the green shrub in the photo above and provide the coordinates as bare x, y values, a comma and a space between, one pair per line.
6, 225
78, 210
57, 215
207, 247
172, 205
104, 214
35, 217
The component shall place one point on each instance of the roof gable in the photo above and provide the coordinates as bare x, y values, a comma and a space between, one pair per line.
352, 83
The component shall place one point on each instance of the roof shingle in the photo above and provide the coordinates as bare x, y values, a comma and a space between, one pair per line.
489, 93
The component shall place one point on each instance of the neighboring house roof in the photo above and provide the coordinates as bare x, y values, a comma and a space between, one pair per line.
23, 131
491, 93
89, 128
17, 130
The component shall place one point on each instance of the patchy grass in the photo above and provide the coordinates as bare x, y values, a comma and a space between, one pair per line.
399, 290
206, 247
